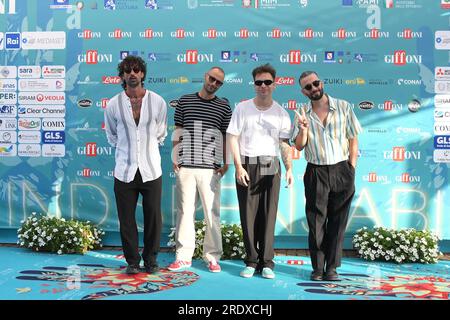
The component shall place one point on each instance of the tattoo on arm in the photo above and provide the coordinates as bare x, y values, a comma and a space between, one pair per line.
286, 154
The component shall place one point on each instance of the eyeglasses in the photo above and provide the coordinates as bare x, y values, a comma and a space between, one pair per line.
212, 80
260, 82
316, 84
128, 69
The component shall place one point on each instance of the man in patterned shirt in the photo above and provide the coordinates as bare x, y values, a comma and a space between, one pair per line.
327, 130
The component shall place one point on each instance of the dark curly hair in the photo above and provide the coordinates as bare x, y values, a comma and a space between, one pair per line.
266, 68
130, 62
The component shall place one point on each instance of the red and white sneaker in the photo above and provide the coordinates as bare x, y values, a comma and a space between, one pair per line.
178, 265
214, 266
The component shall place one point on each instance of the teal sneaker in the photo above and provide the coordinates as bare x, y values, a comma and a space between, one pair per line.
247, 272
268, 273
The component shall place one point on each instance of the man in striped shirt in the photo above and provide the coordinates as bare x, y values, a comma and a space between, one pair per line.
201, 120
135, 124
327, 130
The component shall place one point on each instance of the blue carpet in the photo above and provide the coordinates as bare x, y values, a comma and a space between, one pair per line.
27, 275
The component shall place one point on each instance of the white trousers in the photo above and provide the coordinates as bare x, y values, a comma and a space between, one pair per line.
207, 183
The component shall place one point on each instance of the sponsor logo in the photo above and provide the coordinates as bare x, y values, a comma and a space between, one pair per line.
342, 34
366, 105
442, 73
245, 34
8, 137
285, 81
12, 40
407, 178
53, 137
51, 111
53, 71
8, 98
442, 87
414, 105
441, 156
8, 150
42, 84
29, 124
84, 103
53, 150
42, 98
48, 40
442, 40
442, 101
278, 34
29, 71
8, 72
29, 150
29, 137
442, 115
89, 34
442, 142
8, 85
111, 80
8, 124
57, 124
442, 128
408, 131
8, 111
11, 7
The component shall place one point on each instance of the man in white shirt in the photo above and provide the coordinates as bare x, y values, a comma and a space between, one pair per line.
135, 123
259, 129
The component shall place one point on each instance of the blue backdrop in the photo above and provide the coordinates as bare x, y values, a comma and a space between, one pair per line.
388, 58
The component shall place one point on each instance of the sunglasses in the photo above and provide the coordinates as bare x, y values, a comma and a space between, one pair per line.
212, 80
260, 82
128, 69
316, 84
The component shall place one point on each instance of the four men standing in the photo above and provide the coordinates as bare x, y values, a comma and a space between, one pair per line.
259, 130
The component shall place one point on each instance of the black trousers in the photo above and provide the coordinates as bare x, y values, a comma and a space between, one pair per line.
329, 190
258, 205
126, 199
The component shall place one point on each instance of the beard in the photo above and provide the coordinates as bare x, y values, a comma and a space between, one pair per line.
133, 83
316, 96
209, 89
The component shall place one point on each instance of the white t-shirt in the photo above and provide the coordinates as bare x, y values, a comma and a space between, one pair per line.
260, 131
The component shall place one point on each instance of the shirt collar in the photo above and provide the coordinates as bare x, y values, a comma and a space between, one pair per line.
331, 102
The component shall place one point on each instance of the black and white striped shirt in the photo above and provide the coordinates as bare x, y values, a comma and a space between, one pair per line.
136, 146
204, 124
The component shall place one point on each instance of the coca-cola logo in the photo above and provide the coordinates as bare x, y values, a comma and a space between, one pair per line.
285, 81
111, 80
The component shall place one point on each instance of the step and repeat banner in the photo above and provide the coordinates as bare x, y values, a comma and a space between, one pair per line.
58, 68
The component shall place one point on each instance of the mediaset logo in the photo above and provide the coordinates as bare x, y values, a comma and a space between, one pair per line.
48, 40
149, 33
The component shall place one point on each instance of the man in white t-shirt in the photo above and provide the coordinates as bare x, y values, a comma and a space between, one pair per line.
259, 129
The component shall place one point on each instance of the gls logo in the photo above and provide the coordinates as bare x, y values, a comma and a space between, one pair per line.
11, 6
